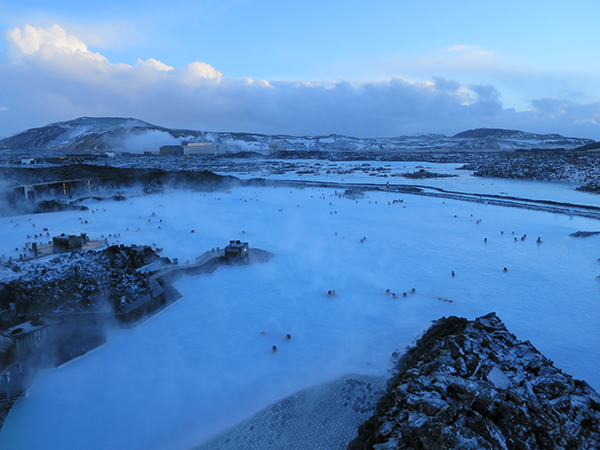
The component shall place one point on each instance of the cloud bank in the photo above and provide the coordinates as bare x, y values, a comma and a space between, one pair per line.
53, 76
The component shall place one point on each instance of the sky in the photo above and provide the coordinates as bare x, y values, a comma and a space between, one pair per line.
366, 69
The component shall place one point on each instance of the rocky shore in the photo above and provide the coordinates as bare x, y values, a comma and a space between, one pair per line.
473, 385
570, 166
75, 282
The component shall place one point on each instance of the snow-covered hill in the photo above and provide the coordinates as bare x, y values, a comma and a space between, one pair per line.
129, 134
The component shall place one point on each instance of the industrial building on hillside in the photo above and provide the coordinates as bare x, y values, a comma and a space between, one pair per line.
171, 150
205, 148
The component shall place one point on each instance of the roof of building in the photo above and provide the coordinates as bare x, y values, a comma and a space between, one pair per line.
237, 244
25, 328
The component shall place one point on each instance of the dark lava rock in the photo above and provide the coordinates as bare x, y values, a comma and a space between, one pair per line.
117, 176
45, 206
473, 385
423, 174
77, 282
592, 186
584, 233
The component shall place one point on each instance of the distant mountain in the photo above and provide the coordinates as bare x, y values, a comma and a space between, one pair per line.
89, 133
129, 134
504, 134
592, 146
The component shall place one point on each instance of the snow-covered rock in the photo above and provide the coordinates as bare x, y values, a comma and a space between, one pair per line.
473, 385
575, 167
75, 282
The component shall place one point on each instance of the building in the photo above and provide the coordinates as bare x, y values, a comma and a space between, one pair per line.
199, 148
144, 305
237, 252
29, 337
171, 150
205, 148
64, 243
219, 148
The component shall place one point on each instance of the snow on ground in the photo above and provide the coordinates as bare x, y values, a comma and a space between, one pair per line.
205, 363
464, 182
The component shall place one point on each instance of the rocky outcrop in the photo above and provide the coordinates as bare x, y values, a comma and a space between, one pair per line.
580, 234
423, 174
569, 166
473, 385
592, 186
76, 282
120, 176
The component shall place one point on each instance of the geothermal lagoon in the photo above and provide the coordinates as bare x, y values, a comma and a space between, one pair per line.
206, 363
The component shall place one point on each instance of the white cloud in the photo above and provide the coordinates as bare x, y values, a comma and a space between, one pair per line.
53, 77
198, 72
480, 53
461, 48
45, 43
30, 39
252, 81
154, 64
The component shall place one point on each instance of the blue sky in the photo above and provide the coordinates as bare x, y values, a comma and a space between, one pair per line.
361, 68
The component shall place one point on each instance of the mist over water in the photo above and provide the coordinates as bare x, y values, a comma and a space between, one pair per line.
206, 362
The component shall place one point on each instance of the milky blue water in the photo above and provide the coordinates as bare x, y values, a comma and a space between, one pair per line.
207, 362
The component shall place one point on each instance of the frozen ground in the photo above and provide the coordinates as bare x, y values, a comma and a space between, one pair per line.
204, 364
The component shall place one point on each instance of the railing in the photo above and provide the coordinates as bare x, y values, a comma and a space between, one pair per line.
11, 383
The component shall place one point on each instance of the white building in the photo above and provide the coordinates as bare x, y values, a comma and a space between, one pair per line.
205, 148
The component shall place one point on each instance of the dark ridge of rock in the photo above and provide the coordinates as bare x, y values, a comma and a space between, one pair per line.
45, 206
120, 176
473, 385
489, 132
592, 146
422, 174
592, 186
584, 233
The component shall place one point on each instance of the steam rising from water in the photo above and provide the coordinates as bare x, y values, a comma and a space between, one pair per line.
147, 140
204, 363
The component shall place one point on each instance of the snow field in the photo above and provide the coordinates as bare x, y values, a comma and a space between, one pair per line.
205, 363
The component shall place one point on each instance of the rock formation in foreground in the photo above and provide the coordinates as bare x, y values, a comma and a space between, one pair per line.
473, 385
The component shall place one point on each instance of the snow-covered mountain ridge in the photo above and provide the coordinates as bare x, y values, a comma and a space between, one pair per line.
129, 134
